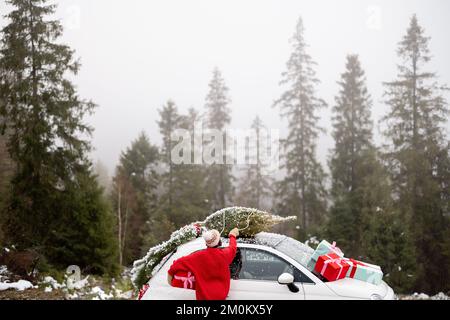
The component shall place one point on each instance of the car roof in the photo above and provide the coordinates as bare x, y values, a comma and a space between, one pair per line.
289, 246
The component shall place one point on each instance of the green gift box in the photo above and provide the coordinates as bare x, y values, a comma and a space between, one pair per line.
311, 265
323, 248
364, 271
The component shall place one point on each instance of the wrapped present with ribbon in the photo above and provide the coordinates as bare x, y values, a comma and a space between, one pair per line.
311, 264
332, 267
184, 280
323, 248
364, 271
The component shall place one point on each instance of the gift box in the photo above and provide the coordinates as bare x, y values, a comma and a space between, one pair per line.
311, 265
323, 248
184, 280
364, 271
332, 267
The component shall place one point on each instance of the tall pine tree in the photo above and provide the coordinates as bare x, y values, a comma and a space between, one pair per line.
349, 164
6, 172
194, 191
218, 114
362, 217
56, 205
418, 156
255, 189
302, 191
170, 120
134, 195
184, 198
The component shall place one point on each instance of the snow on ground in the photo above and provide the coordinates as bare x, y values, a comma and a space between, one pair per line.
52, 283
5, 284
78, 285
423, 296
119, 294
19, 285
4, 274
100, 294
72, 296
85, 288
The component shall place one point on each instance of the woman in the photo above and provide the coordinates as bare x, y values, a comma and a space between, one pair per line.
210, 267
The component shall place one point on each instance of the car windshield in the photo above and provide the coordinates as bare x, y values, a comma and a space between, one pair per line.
298, 251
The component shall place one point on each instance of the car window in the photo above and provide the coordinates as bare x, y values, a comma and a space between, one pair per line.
256, 264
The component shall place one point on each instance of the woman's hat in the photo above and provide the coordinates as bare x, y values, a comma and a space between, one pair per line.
212, 238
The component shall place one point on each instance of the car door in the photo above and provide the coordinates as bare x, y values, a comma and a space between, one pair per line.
159, 288
254, 276
314, 288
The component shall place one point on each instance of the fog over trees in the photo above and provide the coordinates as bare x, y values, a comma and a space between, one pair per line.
87, 169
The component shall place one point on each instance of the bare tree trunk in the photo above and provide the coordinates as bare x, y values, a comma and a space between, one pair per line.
258, 169
119, 215
302, 172
125, 229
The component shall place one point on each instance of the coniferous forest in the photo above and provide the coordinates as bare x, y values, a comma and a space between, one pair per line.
385, 202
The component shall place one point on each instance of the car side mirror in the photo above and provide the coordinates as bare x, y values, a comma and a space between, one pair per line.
288, 279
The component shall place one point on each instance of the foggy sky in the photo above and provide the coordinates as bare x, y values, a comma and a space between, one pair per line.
137, 54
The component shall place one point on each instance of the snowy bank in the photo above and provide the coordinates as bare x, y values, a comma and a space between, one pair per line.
20, 285
423, 296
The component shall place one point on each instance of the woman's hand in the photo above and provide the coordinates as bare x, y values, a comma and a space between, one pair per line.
234, 232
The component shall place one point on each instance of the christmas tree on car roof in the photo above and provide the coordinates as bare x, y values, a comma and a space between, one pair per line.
249, 221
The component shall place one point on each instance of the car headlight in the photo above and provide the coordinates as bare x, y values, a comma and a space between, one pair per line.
376, 297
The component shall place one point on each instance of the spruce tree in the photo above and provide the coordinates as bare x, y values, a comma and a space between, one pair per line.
349, 164
164, 220
193, 193
6, 173
170, 120
184, 198
388, 243
134, 195
302, 191
83, 232
418, 155
218, 114
255, 187
56, 204
362, 218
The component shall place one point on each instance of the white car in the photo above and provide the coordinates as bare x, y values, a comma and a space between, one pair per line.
269, 267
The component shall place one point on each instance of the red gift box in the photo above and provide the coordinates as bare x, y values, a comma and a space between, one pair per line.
332, 267
184, 280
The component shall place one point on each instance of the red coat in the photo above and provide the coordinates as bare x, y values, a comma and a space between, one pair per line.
211, 269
